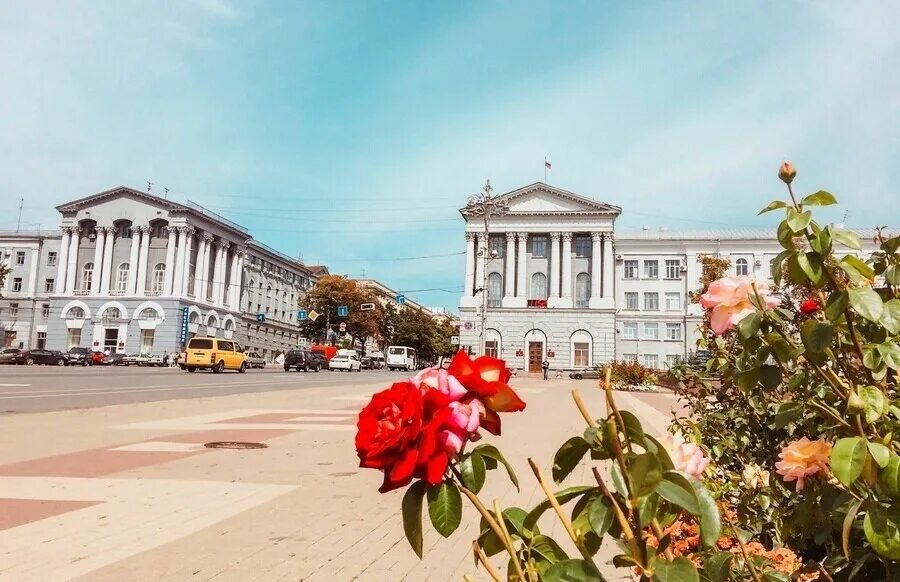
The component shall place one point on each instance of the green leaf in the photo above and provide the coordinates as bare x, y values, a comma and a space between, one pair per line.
773, 205
891, 245
600, 515
860, 266
812, 267
747, 380
568, 456
847, 526
889, 478
473, 472
491, 452
867, 303
785, 236
749, 325
445, 508
644, 474
847, 459
836, 305
633, 427
678, 570
548, 549
890, 319
676, 488
777, 266
562, 497
892, 274
890, 353
798, 221
880, 453
718, 566
572, 571
816, 335
821, 242
876, 403
710, 520
795, 271
411, 508
770, 376
882, 527
654, 446
847, 238
820, 198
618, 480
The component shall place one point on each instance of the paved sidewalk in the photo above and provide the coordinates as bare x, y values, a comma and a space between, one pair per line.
129, 492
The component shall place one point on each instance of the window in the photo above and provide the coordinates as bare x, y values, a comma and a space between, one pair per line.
496, 247
650, 360
41, 340
651, 331
122, 278
17, 284
45, 310
582, 290
673, 331
741, 267
20, 257
673, 266
269, 292
631, 300
49, 285
651, 301
111, 315
491, 348
672, 360
159, 276
75, 313
631, 269
629, 330
673, 301
582, 353
13, 309
87, 276
539, 246
582, 246
494, 289
147, 337
51, 259
539, 286
73, 338
651, 269
148, 313
629, 357
125, 231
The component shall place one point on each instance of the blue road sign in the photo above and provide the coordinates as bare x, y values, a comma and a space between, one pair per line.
260, 317
185, 314
401, 299
342, 311
302, 315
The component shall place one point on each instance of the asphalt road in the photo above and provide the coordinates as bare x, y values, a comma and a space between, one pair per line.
48, 388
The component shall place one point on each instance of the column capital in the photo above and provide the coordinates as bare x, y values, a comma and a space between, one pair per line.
144, 229
608, 236
75, 229
207, 237
596, 236
511, 236
187, 230
107, 229
522, 236
567, 236
470, 237
240, 251
170, 230
554, 236
223, 244
65, 229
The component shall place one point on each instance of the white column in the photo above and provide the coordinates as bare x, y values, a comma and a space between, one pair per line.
218, 295
239, 278
480, 252
188, 250
170, 260
553, 291
509, 279
203, 272
99, 243
468, 297
522, 271
178, 275
62, 261
609, 299
72, 266
32, 290
566, 260
133, 260
107, 274
595, 301
143, 258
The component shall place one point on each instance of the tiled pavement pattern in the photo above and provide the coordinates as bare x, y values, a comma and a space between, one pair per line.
130, 493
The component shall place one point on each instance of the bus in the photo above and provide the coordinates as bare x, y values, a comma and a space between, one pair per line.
401, 358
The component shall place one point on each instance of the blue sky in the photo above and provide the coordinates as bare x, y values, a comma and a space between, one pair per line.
348, 131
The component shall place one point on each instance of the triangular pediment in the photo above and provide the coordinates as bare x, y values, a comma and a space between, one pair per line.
114, 194
540, 198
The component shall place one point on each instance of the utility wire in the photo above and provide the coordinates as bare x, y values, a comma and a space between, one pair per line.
400, 258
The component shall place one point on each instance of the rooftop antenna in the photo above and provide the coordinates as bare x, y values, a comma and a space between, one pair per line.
149, 187
167, 194
19, 221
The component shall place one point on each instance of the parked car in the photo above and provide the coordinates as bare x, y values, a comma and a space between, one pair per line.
7, 355
46, 357
218, 355
592, 372
303, 360
114, 360
150, 360
367, 363
345, 363
131, 360
79, 357
254, 360
320, 358
97, 358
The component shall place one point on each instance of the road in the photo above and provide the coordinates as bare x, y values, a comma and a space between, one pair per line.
48, 388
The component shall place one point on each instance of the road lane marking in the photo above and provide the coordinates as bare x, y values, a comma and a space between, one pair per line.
123, 389
13, 385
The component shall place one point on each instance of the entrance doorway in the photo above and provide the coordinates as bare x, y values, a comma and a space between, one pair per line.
110, 339
535, 356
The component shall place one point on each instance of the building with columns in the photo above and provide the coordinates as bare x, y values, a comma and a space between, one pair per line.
539, 285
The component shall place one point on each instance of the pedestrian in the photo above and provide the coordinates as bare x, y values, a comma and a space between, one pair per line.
545, 366
165, 358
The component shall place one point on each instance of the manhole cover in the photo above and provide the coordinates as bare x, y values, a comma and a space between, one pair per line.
234, 445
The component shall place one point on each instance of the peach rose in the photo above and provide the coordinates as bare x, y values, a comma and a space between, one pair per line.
686, 457
801, 459
787, 172
729, 299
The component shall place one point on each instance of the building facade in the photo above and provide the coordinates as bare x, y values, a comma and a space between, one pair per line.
31, 258
133, 272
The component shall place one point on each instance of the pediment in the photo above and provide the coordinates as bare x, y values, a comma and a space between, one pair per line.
118, 193
540, 198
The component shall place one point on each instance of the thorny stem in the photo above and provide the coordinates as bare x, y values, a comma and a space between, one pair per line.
507, 543
740, 542
627, 532
830, 412
658, 532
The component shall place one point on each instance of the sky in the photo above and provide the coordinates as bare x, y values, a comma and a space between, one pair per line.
349, 133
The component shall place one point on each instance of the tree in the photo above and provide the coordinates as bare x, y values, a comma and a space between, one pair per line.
4, 271
416, 329
333, 291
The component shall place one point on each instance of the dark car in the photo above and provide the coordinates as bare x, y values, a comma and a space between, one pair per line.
7, 355
302, 360
367, 363
114, 360
79, 357
592, 373
320, 359
46, 357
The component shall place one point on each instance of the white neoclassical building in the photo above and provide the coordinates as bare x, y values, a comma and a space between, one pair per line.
539, 285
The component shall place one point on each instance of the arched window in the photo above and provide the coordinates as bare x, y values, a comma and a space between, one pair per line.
111, 315
494, 289
87, 275
122, 278
539, 286
194, 317
581, 345
75, 313
741, 267
269, 292
250, 287
148, 313
582, 290
159, 277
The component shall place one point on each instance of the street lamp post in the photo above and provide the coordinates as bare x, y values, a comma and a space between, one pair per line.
485, 203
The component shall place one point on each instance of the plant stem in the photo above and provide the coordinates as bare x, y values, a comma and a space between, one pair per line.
746, 555
495, 527
658, 532
502, 523
579, 403
627, 532
611, 405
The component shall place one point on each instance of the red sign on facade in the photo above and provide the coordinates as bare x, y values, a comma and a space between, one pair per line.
550, 353
520, 352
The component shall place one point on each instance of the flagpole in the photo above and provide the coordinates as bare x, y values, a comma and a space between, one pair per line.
545, 169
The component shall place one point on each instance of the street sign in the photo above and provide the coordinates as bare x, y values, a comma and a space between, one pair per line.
468, 324
260, 317
312, 315
343, 327
367, 307
302, 315
454, 340
342, 311
185, 314
401, 299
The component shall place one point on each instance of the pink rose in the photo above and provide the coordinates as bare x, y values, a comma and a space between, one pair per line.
801, 459
787, 172
466, 416
686, 457
440, 380
729, 299
450, 442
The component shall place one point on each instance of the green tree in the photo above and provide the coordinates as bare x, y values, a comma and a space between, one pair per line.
4, 271
333, 291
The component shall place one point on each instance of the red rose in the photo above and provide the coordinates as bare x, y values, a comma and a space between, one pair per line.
487, 378
809, 306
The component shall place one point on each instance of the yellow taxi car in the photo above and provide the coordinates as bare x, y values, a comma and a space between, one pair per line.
210, 353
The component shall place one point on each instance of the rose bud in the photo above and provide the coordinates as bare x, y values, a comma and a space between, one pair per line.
787, 172
809, 306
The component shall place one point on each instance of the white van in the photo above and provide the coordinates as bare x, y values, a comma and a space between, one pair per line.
401, 358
